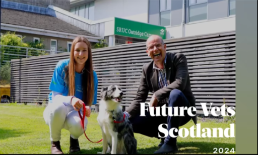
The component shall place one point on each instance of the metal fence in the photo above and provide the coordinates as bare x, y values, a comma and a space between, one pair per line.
211, 63
15, 52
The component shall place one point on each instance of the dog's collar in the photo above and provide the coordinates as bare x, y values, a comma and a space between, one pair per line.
115, 121
120, 121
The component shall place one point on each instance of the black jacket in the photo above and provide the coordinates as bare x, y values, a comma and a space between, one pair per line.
177, 78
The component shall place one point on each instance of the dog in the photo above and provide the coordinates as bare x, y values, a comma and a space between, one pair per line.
117, 131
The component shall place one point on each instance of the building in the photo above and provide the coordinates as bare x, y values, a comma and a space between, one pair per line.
130, 21
181, 18
37, 23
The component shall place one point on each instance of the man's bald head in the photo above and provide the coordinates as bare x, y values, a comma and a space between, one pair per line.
156, 49
154, 37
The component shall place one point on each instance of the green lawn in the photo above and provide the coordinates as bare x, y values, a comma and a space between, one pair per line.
23, 130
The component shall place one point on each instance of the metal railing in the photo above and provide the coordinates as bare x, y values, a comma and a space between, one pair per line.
7, 53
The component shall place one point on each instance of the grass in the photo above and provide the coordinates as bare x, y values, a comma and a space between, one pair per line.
23, 130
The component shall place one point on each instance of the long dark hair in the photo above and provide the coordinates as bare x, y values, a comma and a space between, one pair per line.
87, 73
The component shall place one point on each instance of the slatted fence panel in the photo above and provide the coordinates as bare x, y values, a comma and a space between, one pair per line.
211, 63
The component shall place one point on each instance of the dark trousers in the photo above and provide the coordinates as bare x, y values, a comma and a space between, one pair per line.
148, 125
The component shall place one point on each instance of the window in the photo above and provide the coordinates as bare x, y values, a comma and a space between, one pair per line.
53, 45
91, 11
165, 7
232, 7
75, 11
81, 11
165, 18
72, 10
36, 40
69, 46
85, 11
197, 10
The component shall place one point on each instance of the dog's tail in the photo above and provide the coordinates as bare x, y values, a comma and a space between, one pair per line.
130, 144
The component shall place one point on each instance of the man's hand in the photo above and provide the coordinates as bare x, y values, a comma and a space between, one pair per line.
126, 114
153, 101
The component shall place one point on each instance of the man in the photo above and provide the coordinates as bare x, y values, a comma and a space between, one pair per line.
167, 77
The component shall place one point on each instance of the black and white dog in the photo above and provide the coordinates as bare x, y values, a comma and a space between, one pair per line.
117, 132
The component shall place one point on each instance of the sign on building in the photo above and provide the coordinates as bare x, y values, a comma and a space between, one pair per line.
138, 30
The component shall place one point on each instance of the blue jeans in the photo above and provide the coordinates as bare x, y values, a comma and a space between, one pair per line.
148, 125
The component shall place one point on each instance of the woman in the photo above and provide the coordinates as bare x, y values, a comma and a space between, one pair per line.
73, 83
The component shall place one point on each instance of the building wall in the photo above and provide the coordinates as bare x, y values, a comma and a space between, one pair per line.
136, 10
61, 43
203, 27
64, 4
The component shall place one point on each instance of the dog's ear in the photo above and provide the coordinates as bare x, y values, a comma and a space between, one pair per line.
103, 92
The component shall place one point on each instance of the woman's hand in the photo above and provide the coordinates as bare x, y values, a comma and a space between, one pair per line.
88, 111
77, 103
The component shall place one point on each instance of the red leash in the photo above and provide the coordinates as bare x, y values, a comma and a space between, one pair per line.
82, 122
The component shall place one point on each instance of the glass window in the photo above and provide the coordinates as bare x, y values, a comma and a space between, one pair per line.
76, 11
87, 11
232, 7
165, 7
72, 10
162, 5
53, 45
165, 18
194, 2
168, 4
198, 12
81, 11
91, 11
36, 40
201, 1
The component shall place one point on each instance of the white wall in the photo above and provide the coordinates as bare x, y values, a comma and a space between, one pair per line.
136, 10
109, 28
174, 32
203, 27
213, 26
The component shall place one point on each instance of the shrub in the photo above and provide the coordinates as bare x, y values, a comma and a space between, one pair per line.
229, 119
8, 53
5, 74
100, 44
20, 51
